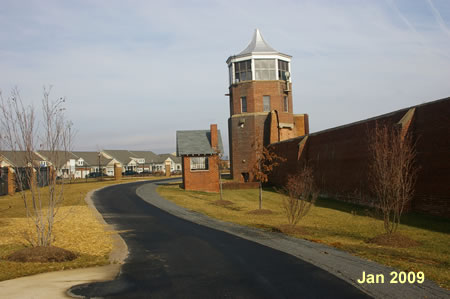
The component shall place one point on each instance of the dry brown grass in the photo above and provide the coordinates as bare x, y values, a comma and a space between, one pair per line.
76, 229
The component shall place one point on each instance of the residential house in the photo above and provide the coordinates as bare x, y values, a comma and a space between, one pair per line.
199, 151
145, 160
126, 158
89, 162
169, 159
19, 161
63, 161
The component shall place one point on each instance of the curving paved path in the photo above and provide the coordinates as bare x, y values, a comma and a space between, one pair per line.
173, 257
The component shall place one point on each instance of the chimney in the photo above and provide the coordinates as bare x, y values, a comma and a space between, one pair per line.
214, 140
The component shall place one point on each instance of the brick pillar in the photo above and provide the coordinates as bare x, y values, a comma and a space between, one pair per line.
117, 171
52, 174
32, 176
11, 181
214, 138
167, 169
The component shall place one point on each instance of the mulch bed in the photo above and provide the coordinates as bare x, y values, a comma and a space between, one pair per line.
260, 212
42, 254
290, 229
394, 240
222, 203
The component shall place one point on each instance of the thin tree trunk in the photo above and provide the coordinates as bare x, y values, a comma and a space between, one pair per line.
220, 183
260, 195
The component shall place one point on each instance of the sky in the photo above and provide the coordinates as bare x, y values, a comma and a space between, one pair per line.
135, 72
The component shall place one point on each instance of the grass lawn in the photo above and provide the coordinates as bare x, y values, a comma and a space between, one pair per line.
341, 225
76, 229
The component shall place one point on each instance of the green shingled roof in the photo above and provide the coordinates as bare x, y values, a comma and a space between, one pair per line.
196, 142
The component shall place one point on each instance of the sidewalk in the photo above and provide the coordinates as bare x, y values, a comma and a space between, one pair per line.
54, 284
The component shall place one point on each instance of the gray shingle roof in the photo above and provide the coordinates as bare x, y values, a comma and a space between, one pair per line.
57, 158
91, 158
196, 142
149, 156
19, 158
123, 156
163, 157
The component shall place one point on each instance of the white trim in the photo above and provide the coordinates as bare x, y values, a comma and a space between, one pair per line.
276, 69
253, 69
260, 56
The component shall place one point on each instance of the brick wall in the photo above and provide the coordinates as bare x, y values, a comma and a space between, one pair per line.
256, 127
340, 157
201, 180
239, 185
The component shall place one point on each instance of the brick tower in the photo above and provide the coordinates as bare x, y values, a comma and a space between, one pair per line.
260, 104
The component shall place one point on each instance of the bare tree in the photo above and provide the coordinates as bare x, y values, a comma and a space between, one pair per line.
392, 172
266, 161
21, 136
301, 195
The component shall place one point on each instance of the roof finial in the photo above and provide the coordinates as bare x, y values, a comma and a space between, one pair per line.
258, 45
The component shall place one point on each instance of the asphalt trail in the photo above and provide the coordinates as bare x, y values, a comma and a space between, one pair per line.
174, 258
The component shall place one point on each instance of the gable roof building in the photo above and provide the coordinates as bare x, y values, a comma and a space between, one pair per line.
57, 158
91, 158
199, 151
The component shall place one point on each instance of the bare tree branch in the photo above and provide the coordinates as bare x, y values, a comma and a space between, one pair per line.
392, 172
301, 195
19, 135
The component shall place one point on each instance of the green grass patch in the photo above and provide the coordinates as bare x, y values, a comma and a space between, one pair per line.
342, 225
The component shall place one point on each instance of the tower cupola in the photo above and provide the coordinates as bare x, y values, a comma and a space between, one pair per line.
258, 61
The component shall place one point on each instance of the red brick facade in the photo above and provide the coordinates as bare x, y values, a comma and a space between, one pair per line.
340, 157
201, 180
247, 128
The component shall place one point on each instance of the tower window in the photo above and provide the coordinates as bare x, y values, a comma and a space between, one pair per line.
286, 104
265, 69
243, 104
243, 70
266, 103
283, 67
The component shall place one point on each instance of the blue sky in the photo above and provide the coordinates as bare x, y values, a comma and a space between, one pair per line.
134, 72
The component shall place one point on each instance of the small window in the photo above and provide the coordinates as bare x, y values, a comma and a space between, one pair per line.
266, 103
245, 176
199, 163
243, 104
286, 104
283, 67
243, 70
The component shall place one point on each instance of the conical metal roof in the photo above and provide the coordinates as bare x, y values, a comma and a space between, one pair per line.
258, 45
